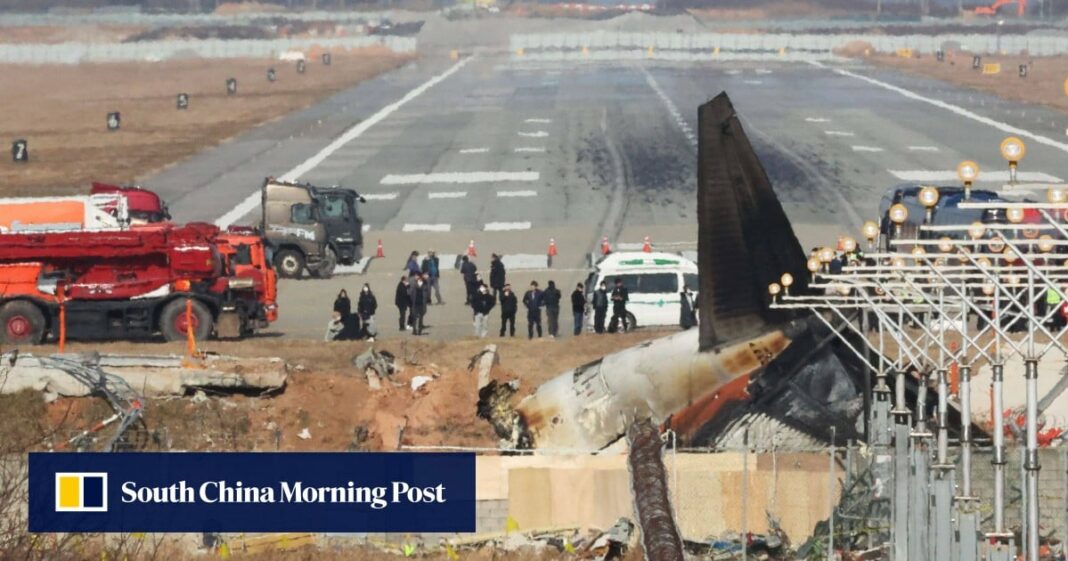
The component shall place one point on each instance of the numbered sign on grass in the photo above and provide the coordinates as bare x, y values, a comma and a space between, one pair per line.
231, 86
271, 76
300, 66
326, 59
977, 62
114, 120
20, 151
183, 101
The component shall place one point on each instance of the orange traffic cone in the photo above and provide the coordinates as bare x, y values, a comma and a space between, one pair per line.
647, 246
380, 254
471, 249
605, 248
552, 247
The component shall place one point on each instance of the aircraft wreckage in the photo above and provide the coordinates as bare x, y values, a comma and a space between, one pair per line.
746, 366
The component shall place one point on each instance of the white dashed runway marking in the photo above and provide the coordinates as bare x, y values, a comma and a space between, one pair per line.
427, 227
838, 133
540, 121
459, 177
867, 149
763, 71
1000, 176
501, 226
474, 150
923, 148
380, 196
517, 193
366, 228
447, 195
535, 134
682, 124
534, 149
753, 82
817, 120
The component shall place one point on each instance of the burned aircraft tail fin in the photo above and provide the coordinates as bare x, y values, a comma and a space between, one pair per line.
745, 241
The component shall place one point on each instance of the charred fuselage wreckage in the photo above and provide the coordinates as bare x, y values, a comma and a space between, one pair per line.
744, 362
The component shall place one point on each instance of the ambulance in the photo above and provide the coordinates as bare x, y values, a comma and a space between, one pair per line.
653, 281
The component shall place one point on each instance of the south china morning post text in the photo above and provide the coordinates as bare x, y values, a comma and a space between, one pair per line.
252, 492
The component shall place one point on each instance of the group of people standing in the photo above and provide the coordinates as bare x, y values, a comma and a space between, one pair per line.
420, 281
347, 326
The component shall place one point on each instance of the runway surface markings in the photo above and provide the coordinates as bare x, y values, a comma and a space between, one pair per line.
380, 196
535, 134
838, 133
1000, 176
753, 82
517, 193
763, 71
867, 149
447, 195
682, 124
474, 150
459, 177
540, 121
1004, 127
502, 226
817, 120
923, 148
427, 227
252, 201
534, 149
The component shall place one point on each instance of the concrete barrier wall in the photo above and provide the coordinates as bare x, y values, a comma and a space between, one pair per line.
1038, 45
74, 53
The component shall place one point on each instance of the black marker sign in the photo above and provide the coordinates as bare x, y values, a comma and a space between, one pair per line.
231, 86
300, 66
977, 61
326, 59
20, 151
271, 76
183, 101
114, 120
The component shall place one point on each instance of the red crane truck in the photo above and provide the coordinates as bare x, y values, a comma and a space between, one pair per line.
122, 284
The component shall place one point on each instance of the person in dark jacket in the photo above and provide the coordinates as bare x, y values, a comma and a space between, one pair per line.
468, 270
578, 307
412, 266
432, 269
533, 302
619, 307
496, 275
509, 306
551, 298
366, 307
687, 308
484, 302
600, 307
420, 299
403, 301
342, 304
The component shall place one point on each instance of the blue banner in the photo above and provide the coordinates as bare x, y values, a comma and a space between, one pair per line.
252, 492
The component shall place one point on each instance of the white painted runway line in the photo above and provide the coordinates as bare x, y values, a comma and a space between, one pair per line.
763, 71
426, 228
534, 149
535, 134
366, 228
459, 177
539, 121
474, 150
502, 226
447, 195
753, 82
674, 111
867, 149
923, 148
817, 120
252, 201
838, 133
379, 196
1003, 127
733, 72
1000, 176
517, 193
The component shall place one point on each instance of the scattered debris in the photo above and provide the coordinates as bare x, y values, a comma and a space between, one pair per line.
485, 361
494, 405
304, 434
376, 366
649, 487
420, 381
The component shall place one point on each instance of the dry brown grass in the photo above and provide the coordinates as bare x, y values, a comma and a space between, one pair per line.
61, 111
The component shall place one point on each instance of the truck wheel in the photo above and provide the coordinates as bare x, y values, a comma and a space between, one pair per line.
326, 268
631, 322
22, 323
172, 321
289, 263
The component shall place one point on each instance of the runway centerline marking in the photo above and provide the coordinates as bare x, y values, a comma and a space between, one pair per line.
817, 120
426, 228
923, 148
252, 201
474, 150
535, 149
517, 193
535, 134
502, 226
459, 177
539, 121
999, 176
447, 195
1004, 127
838, 133
867, 149
379, 196
674, 111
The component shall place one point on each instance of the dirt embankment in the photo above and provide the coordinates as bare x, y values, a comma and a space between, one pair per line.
1045, 83
328, 397
62, 112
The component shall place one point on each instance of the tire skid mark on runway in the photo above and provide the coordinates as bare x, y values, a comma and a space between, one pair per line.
459, 177
252, 201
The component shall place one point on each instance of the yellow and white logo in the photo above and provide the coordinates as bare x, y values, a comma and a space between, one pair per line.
82, 492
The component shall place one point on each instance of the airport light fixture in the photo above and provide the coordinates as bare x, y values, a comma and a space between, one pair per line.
1056, 195
1013, 150
787, 280
848, 244
928, 197
870, 230
968, 172
899, 213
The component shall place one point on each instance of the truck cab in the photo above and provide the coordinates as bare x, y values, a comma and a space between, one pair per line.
309, 227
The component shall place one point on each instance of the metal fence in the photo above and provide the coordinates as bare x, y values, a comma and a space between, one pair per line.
1038, 45
73, 53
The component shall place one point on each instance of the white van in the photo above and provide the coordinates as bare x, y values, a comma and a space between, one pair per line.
653, 281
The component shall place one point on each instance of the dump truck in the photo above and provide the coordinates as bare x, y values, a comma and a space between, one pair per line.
309, 227
124, 284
